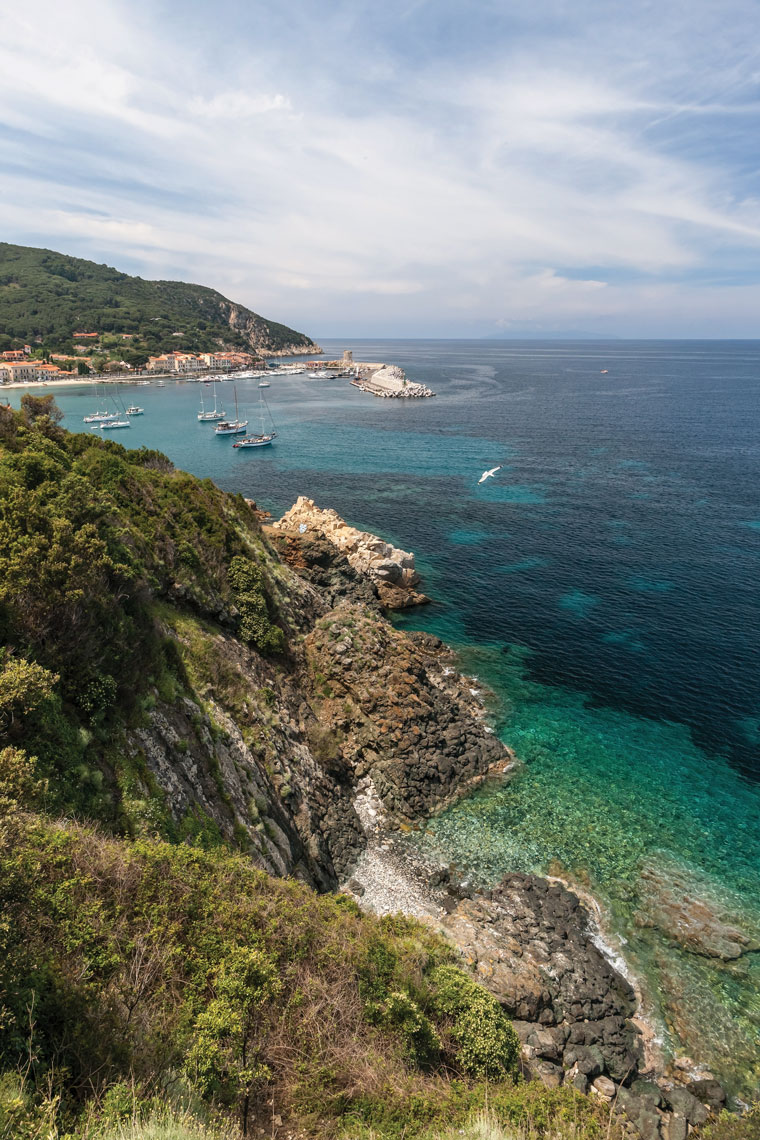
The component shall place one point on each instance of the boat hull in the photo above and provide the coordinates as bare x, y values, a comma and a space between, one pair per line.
256, 441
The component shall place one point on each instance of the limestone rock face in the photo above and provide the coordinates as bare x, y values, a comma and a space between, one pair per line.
261, 335
399, 712
383, 563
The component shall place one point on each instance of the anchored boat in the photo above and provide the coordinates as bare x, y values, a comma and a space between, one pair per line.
231, 427
264, 438
210, 416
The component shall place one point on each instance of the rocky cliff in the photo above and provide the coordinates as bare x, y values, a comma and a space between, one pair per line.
178, 677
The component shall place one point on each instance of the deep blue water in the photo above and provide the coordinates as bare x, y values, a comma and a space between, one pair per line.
603, 584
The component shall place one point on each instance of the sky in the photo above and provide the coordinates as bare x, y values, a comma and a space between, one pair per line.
410, 168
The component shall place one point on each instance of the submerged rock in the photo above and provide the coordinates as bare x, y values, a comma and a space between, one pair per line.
685, 907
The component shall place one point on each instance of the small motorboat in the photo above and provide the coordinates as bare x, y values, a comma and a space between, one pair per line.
135, 411
114, 424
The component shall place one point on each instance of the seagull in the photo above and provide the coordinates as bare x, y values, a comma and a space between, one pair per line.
489, 474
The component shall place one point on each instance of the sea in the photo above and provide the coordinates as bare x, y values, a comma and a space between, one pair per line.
602, 592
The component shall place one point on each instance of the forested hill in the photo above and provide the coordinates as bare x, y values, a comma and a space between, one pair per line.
46, 297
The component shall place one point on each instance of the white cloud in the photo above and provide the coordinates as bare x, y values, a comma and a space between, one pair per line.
396, 192
237, 105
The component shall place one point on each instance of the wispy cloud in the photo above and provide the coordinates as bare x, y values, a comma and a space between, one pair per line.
430, 167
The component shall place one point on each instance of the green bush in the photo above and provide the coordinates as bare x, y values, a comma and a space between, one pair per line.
225, 1056
247, 582
486, 1043
21, 1117
400, 1012
728, 1126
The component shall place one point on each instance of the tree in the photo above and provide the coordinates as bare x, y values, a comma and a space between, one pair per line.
225, 1056
23, 686
38, 407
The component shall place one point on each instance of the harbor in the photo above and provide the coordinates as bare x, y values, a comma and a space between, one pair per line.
388, 381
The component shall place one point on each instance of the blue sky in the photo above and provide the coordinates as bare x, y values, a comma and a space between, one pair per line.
404, 168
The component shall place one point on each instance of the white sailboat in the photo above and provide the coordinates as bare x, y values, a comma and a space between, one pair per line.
118, 420
208, 417
231, 427
265, 437
100, 417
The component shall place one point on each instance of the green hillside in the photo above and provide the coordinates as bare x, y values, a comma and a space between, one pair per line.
46, 296
154, 981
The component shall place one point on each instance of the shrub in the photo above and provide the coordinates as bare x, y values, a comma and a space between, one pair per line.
247, 582
422, 1043
486, 1043
225, 1057
20, 1117
728, 1126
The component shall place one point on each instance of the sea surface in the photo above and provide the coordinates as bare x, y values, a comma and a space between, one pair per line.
602, 589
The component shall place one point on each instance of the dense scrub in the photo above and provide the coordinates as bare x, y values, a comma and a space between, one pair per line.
160, 969
92, 536
46, 296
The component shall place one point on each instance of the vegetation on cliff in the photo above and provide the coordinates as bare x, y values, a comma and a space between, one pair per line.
46, 296
152, 977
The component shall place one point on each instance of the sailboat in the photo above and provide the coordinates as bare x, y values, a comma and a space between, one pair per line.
265, 437
208, 417
101, 417
118, 420
231, 427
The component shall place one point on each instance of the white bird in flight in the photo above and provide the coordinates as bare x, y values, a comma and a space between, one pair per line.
489, 474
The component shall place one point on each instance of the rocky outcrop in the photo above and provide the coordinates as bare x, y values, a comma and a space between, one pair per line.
267, 338
532, 943
404, 717
528, 942
270, 753
392, 570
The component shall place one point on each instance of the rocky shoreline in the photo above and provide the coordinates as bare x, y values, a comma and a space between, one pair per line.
533, 942
329, 757
536, 946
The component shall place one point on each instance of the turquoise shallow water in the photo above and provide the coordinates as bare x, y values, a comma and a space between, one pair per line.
603, 586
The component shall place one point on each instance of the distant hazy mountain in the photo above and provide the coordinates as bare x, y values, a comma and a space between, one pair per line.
46, 296
546, 334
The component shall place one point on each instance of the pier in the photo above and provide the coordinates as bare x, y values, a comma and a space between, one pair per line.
379, 379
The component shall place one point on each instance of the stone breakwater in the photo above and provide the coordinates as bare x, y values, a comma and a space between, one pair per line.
390, 382
391, 569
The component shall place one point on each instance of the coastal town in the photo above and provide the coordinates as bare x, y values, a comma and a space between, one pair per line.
21, 366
